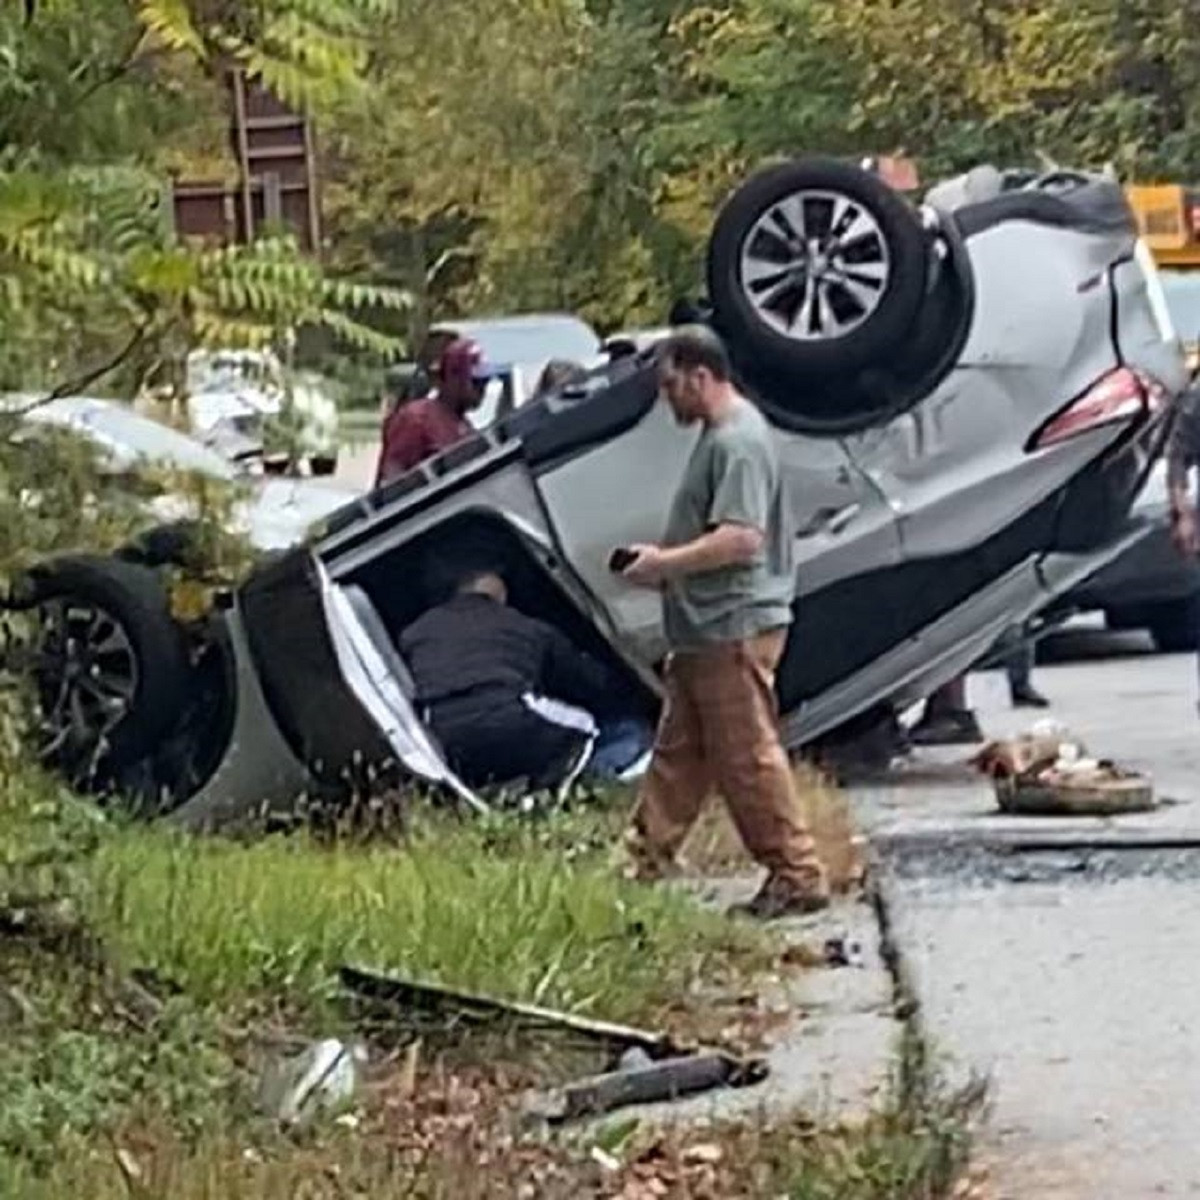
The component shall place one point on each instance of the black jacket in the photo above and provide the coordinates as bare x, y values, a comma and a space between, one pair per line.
473, 644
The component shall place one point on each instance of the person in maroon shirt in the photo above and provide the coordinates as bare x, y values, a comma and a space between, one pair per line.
417, 430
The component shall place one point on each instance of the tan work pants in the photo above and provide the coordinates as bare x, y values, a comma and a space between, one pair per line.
720, 729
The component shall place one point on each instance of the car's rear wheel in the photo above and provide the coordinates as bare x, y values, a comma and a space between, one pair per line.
817, 269
107, 662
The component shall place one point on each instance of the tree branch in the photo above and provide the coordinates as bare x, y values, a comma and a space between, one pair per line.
113, 73
75, 385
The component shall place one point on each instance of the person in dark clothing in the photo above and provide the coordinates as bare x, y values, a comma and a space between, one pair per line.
509, 696
1018, 667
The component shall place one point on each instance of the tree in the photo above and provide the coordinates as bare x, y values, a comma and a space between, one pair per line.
91, 279
963, 81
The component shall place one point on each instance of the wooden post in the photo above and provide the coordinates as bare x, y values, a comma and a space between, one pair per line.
242, 142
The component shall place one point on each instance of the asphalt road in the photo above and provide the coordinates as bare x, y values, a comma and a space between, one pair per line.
1068, 974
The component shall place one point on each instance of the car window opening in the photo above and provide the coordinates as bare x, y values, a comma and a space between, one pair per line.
414, 577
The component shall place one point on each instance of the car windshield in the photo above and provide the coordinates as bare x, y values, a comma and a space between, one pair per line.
1182, 290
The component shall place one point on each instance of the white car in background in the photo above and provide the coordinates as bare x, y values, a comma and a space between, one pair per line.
275, 512
233, 396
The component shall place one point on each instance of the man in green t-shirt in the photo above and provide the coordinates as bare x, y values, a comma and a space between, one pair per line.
726, 572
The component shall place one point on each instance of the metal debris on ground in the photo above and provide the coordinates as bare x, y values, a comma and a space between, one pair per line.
649, 1067
325, 1076
1046, 772
417, 1002
664, 1080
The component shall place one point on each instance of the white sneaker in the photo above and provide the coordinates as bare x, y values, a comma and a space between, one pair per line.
637, 768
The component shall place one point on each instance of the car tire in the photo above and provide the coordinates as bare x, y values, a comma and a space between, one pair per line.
133, 657
1172, 626
163, 545
323, 465
873, 257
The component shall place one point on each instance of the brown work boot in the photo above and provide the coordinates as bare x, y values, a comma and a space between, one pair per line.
780, 897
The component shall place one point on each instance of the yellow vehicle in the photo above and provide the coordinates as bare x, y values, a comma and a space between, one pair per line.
1168, 215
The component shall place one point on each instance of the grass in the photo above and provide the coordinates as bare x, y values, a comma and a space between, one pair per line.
244, 939
457, 1148
248, 937
227, 922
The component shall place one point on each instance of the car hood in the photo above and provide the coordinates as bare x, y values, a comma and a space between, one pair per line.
275, 513
125, 437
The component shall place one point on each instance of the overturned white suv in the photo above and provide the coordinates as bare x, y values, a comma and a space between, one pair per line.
967, 393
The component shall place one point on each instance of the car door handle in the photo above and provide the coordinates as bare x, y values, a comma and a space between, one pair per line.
830, 520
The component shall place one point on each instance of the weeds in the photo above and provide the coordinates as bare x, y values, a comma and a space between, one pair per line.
229, 922
452, 1142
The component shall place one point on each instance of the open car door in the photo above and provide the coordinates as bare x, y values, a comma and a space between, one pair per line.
381, 683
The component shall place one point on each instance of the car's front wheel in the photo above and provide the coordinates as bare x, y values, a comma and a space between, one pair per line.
107, 662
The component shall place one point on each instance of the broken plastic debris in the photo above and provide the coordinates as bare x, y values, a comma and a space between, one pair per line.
608, 1161
324, 1076
844, 952
1048, 727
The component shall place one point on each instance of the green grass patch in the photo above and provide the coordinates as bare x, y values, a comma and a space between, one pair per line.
231, 922
98, 1103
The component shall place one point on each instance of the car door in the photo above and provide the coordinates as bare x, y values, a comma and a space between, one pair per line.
957, 466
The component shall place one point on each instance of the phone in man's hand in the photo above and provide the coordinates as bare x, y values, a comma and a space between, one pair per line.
620, 559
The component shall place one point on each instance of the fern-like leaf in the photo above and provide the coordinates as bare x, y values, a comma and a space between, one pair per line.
171, 22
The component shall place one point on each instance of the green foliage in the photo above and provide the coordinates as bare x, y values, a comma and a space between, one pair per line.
235, 922
92, 286
63, 1082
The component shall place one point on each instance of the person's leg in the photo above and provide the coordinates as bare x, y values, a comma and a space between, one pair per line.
676, 783
1018, 666
494, 743
739, 716
946, 719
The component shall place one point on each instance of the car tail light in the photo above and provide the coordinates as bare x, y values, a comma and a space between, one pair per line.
1122, 395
